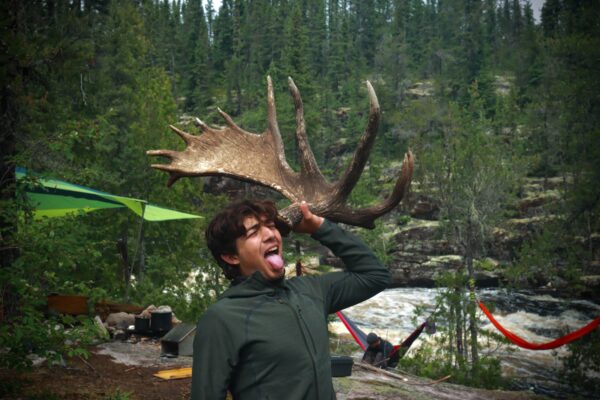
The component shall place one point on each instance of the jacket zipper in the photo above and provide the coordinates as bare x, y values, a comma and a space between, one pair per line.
312, 358
307, 330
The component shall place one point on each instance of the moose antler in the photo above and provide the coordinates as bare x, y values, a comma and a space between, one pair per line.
260, 158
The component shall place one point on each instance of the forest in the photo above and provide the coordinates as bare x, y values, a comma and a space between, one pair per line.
482, 93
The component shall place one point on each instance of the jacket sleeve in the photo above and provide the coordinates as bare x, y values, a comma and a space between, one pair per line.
214, 358
364, 277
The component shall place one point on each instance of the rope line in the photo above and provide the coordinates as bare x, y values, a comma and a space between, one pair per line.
540, 346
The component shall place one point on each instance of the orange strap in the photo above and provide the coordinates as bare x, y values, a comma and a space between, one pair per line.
541, 346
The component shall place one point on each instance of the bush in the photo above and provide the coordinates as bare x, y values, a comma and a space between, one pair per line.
581, 367
53, 338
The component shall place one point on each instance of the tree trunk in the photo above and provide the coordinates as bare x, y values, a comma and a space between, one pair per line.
122, 249
459, 327
8, 218
472, 308
8, 224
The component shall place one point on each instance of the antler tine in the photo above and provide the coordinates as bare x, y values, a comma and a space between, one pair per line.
365, 217
174, 173
229, 121
400, 188
273, 126
260, 158
187, 138
308, 164
164, 153
345, 185
173, 177
200, 124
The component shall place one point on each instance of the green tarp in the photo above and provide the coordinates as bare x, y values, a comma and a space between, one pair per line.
56, 198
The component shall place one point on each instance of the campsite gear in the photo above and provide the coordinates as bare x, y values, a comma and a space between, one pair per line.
282, 326
179, 373
341, 366
540, 346
142, 325
56, 198
179, 341
235, 153
72, 305
160, 321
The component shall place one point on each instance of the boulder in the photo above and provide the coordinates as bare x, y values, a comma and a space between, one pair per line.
120, 320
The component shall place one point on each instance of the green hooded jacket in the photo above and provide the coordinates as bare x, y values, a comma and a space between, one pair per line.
269, 340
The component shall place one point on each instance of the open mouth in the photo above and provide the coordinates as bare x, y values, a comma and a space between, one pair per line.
274, 259
272, 251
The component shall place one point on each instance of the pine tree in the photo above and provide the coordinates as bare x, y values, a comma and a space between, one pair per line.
196, 71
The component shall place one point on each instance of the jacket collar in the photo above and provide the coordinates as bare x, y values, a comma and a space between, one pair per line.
253, 285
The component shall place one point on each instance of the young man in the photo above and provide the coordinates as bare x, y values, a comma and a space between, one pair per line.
266, 337
380, 352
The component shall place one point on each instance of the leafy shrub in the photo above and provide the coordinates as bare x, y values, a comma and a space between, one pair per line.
52, 338
582, 365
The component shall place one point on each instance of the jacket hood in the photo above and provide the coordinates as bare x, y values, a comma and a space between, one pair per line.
254, 285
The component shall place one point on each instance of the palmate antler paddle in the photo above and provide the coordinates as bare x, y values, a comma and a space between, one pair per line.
260, 158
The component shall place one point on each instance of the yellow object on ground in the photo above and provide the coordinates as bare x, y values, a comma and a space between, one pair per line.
179, 373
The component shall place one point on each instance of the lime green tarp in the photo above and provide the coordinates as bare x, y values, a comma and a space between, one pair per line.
56, 198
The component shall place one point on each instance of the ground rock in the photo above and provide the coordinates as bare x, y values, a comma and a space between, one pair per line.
425, 208
101, 329
367, 385
120, 320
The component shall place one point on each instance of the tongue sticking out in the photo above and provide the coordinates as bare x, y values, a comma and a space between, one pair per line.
275, 261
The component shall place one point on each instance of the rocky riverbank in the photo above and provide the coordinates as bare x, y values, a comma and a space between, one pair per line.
419, 254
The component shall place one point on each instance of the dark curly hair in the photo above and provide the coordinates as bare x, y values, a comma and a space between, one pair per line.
228, 225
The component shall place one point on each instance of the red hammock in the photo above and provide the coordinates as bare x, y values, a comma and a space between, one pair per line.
541, 346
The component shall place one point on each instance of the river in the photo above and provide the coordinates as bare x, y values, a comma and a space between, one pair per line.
534, 317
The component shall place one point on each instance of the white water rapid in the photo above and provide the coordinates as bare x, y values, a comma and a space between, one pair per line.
535, 318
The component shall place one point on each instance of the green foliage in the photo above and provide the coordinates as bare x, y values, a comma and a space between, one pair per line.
425, 361
53, 338
550, 253
378, 241
88, 87
582, 364
119, 395
449, 353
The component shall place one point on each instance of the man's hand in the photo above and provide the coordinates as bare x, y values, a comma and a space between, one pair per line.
310, 222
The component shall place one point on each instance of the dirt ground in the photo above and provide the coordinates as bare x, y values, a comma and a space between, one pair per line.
99, 377
124, 371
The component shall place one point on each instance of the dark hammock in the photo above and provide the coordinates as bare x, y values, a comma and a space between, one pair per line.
361, 337
540, 346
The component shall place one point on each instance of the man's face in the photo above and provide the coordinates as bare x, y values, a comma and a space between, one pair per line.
260, 240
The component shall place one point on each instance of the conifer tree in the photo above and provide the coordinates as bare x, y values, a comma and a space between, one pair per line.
196, 71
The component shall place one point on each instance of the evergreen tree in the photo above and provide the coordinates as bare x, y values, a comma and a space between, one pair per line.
196, 71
